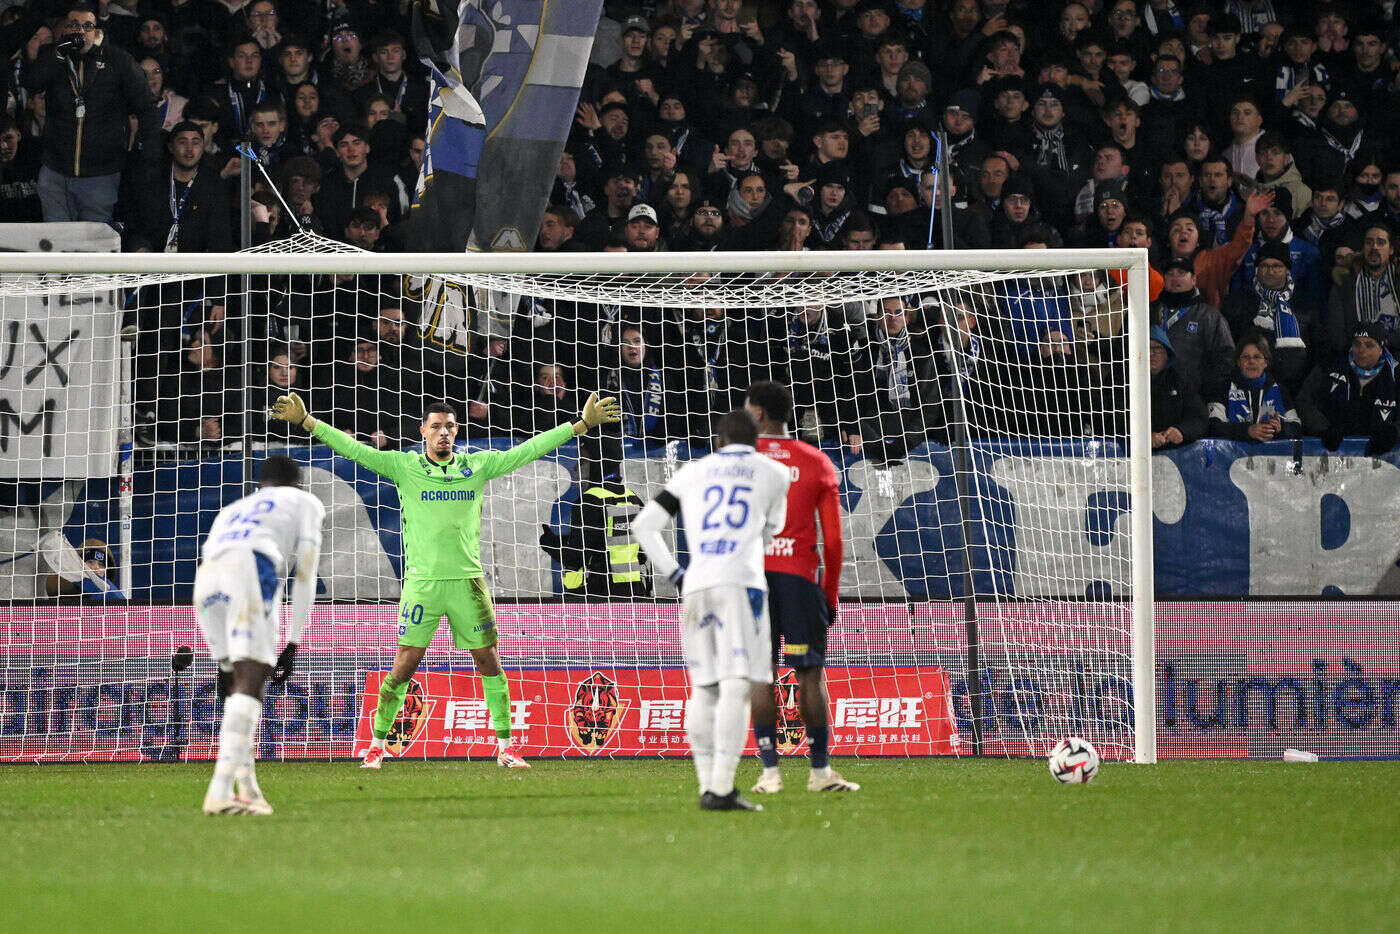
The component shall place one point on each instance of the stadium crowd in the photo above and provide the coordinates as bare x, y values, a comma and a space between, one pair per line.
1248, 144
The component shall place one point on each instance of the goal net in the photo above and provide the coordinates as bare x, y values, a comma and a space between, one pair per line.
996, 584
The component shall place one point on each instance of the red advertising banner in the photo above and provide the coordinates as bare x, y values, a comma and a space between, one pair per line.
905, 711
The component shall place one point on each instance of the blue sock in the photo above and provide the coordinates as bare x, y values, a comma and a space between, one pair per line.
818, 740
767, 738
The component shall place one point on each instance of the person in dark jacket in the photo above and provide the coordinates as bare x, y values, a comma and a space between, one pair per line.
1255, 407
346, 188
1354, 394
183, 207
599, 557
91, 88
1268, 304
1201, 339
1178, 414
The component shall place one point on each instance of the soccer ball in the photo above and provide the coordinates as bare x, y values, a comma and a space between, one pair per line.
1074, 761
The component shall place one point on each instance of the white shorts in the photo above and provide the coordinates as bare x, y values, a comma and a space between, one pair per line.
238, 598
724, 634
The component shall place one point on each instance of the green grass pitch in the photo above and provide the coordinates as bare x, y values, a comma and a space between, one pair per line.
602, 845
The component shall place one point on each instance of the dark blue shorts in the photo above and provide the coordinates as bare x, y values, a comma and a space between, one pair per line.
798, 615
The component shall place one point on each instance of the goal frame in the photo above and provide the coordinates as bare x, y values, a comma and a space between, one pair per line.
1133, 260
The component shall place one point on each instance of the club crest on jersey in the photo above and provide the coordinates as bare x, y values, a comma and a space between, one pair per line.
413, 716
792, 732
596, 713
466, 472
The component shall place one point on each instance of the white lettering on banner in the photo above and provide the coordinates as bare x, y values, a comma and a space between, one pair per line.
59, 360
1286, 553
663, 715
1054, 555
474, 715
858, 712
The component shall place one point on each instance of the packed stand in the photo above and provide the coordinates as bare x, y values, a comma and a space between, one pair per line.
1247, 144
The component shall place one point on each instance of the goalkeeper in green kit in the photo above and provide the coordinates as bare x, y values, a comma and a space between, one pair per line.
440, 494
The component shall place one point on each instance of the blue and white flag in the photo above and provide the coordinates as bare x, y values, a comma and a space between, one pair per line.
505, 82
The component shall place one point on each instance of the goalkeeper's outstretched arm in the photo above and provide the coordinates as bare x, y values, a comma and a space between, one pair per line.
290, 408
595, 412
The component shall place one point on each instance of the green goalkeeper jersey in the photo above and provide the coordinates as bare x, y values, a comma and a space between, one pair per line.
441, 503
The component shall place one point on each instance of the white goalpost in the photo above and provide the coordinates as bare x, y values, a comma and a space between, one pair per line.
988, 414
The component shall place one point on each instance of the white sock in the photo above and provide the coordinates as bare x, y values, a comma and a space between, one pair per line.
700, 730
771, 771
246, 777
731, 732
377, 742
823, 772
241, 713
502, 742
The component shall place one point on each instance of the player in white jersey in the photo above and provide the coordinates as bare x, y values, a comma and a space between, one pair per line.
252, 546
731, 504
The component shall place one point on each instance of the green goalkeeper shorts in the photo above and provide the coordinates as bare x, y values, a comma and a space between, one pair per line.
465, 603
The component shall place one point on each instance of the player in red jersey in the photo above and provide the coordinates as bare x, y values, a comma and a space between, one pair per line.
800, 609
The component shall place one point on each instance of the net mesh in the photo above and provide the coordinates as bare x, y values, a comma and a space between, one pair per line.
972, 416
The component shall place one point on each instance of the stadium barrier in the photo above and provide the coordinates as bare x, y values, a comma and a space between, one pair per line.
1280, 519
1234, 679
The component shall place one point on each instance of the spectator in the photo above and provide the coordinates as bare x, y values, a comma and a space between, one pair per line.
1062, 157
1354, 394
267, 126
556, 230
1367, 296
1009, 128
364, 397
170, 107
1278, 170
19, 175
1255, 406
898, 386
818, 357
619, 194
1388, 209
301, 180
182, 207
407, 94
551, 402
1327, 224
345, 63
1165, 116
1123, 58
1271, 226
90, 88
1246, 127
1178, 414
1339, 137
751, 215
566, 189
283, 377
1200, 338
1110, 165
1269, 303
706, 230
1016, 214
364, 228
495, 382
1364, 178
1213, 267
833, 204
242, 90
1217, 205
642, 232
675, 209
652, 404
345, 188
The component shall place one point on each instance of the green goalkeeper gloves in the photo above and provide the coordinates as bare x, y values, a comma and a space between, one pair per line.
598, 412
292, 409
